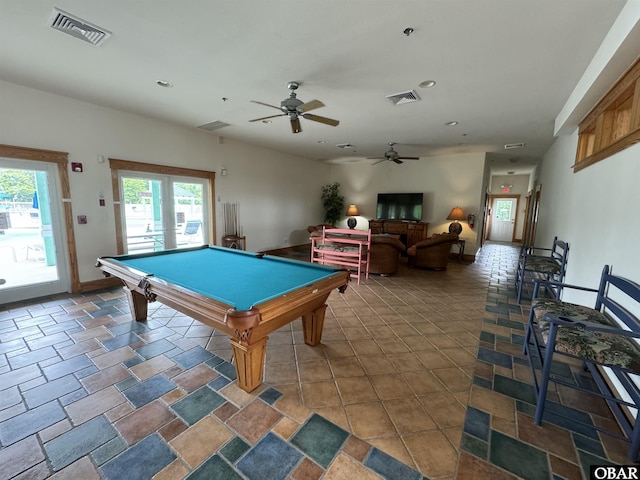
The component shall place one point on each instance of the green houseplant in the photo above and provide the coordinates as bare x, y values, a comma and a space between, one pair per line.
333, 203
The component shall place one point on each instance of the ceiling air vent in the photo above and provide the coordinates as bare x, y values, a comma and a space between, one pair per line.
403, 97
509, 146
211, 126
78, 28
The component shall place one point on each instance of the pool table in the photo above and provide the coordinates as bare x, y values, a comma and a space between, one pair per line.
245, 295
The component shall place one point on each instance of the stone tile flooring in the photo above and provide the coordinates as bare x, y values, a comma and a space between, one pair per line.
420, 375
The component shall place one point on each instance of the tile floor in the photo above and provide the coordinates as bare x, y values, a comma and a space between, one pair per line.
420, 375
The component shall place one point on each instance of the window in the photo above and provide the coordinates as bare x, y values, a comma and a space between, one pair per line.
614, 123
503, 210
145, 221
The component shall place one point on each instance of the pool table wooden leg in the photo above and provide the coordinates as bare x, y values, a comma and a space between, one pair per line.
249, 360
138, 304
312, 324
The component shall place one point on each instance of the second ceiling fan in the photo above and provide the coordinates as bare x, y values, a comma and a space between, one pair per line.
392, 156
294, 109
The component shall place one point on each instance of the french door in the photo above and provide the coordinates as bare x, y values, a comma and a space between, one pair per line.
160, 212
32, 239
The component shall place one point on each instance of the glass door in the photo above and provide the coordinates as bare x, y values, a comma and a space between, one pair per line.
143, 220
189, 202
151, 223
504, 217
32, 264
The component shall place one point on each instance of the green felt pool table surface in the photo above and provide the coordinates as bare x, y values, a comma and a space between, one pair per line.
238, 278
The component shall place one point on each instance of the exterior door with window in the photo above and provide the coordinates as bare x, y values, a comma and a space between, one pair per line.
161, 212
32, 254
503, 218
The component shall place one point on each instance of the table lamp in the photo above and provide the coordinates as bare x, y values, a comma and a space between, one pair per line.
352, 212
456, 214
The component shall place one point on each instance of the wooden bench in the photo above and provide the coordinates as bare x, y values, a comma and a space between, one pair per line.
348, 248
604, 337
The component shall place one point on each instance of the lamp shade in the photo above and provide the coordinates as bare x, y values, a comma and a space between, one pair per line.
456, 214
352, 211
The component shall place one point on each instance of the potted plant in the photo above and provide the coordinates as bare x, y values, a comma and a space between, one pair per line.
332, 202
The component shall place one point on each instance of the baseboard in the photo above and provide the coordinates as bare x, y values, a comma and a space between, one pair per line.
282, 250
108, 282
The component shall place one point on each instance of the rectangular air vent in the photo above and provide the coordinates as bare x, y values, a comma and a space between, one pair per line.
78, 28
509, 146
403, 97
211, 126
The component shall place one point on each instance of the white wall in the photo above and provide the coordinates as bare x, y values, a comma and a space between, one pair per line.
593, 210
279, 194
447, 181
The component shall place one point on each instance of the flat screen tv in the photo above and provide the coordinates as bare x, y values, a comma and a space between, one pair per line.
399, 206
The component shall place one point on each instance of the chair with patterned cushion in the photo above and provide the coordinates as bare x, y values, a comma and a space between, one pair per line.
604, 338
534, 263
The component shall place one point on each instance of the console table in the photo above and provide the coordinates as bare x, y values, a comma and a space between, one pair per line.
410, 232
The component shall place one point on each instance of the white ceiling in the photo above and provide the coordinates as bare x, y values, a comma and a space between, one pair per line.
504, 68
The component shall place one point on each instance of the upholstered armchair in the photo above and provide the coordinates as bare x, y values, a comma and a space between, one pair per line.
385, 254
432, 252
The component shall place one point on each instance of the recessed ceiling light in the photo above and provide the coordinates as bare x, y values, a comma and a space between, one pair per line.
164, 84
266, 121
452, 123
321, 141
511, 172
427, 84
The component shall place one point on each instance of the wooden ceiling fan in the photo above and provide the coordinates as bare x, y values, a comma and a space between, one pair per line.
294, 109
392, 156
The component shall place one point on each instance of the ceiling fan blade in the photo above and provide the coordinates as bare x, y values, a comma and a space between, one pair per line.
265, 104
265, 118
409, 158
295, 125
312, 105
325, 120
376, 158
397, 160
379, 161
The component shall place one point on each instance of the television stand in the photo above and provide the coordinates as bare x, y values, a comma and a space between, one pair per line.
410, 232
